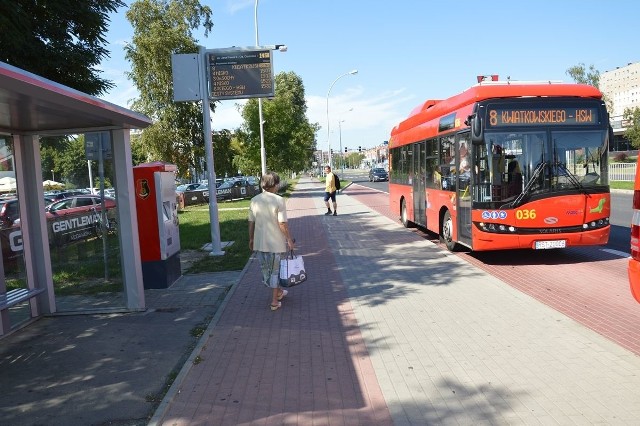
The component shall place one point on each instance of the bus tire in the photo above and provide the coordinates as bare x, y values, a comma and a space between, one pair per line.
404, 216
446, 233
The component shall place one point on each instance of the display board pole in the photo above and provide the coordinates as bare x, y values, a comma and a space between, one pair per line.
216, 246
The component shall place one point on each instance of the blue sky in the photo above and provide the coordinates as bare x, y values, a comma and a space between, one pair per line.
405, 51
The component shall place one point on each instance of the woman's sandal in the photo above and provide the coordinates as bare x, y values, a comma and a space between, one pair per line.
283, 294
276, 307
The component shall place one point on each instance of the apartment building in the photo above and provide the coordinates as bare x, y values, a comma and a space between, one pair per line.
622, 87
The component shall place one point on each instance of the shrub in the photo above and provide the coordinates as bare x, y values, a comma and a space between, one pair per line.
620, 157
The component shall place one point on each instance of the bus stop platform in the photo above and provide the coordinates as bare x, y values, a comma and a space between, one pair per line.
389, 329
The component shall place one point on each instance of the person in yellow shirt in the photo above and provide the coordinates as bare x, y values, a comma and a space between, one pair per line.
330, 191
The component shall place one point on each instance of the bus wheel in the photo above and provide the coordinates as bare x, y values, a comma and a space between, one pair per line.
446, 235
404, 216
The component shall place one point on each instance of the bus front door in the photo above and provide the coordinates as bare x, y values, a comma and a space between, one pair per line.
419, 187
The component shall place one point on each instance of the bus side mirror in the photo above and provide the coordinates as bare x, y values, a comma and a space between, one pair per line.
477, 136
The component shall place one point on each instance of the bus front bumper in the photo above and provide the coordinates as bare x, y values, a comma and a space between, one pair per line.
484, 241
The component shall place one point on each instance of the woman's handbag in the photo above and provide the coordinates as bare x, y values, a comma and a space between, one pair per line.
292, 270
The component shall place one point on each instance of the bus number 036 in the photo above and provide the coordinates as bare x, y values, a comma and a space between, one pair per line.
525, 214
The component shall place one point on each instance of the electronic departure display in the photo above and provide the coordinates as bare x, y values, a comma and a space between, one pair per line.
541, 116
241, 74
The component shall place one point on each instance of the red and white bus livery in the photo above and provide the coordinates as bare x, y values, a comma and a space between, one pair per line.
505, 165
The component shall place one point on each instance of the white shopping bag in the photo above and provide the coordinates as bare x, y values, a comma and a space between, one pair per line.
292, 270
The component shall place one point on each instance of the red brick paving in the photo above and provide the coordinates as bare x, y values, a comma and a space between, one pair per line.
303, 364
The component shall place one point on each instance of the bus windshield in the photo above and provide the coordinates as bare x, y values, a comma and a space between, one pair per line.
511, 165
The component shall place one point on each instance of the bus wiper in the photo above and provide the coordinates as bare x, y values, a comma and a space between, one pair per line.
515, 203
572, 178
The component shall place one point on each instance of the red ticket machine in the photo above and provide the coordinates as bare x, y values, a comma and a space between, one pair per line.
158, 229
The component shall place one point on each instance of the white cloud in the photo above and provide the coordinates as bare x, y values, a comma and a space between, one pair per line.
235, 5
226, 115
368, 124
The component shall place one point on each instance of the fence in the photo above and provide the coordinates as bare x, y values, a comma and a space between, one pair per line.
625, 172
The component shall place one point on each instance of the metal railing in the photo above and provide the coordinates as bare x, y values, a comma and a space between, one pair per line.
625, 172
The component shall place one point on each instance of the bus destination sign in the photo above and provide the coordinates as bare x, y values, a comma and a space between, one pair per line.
541, 116
241, 74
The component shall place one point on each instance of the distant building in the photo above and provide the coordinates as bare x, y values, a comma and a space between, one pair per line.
622, 87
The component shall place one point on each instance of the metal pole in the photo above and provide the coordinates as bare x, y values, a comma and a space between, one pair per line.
216, 247
90, 176
328, 93
340, 131
263, 152
103, 210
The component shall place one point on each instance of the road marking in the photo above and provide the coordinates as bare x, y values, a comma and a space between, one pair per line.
616, 252
373, 189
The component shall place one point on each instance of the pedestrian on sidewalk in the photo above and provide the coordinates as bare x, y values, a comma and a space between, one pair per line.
330, 191
269, 234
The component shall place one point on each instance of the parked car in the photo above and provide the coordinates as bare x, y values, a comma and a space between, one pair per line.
188, 187
236, 188
78, 204
79, 217
9, 212
378, 174
69, 220
65, 194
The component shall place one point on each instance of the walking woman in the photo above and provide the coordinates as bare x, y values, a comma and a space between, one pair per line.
269, 234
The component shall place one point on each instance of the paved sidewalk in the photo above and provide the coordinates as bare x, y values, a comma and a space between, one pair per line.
390, 329
105, 369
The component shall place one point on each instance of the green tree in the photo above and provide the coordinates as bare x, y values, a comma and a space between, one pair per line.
580, 74
138, 153
68, 161
632, 118
61, 40
289, 138
161, 28
224, 153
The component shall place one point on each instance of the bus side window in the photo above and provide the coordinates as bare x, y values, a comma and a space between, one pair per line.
432, 175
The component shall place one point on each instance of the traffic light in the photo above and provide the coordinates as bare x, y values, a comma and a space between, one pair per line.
345, 149
331, 151
359, 149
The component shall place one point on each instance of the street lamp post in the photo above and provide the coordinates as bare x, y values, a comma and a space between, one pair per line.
263, 152
328, 93
340, 137
340, 133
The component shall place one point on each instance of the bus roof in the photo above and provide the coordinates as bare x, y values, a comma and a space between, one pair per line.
432, 109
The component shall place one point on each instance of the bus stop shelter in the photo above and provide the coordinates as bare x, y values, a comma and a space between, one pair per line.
31, 107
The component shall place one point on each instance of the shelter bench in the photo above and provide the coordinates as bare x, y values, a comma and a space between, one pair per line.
13, 297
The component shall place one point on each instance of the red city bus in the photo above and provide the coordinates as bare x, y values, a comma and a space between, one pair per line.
634, 261
505, 165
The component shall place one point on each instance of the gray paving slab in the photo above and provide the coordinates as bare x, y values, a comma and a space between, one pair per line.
105, 369
450, 344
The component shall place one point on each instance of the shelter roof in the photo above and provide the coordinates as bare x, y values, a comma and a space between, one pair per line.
30, 104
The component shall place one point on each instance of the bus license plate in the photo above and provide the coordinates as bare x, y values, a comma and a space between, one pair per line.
541, 245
